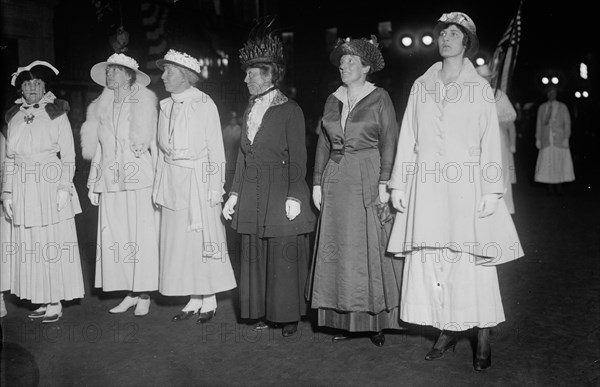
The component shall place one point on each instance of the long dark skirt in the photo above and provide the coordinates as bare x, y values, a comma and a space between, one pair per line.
273, 277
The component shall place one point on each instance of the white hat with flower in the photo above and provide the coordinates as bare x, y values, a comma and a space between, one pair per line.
180, 59
98, 71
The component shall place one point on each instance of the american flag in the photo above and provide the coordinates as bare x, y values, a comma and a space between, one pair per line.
505, 57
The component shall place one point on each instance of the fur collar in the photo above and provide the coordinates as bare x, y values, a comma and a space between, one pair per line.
54, 110
143, 119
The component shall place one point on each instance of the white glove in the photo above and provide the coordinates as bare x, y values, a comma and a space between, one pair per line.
399, 200
7, 204
513, 149
94, 197
138, 150
487, 205
538, 144
292, 209
228, 208
62, 197
214, 198
316, 196
384, 195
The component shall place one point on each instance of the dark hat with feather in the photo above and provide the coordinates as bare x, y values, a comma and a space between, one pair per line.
367, 49
262, 46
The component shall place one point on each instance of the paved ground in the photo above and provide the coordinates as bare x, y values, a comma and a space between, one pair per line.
551, 337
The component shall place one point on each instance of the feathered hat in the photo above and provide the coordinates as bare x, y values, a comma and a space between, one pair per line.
367, 49
262, 46
463, 20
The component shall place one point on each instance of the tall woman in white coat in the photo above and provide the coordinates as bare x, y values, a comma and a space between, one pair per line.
446, 184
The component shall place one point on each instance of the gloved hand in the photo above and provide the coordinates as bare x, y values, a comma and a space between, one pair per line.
316, 196
292, 209
138, 149
214, 198
228, 208
94, 197
62, 197
538, 144
7, 205
487, 205
399, 200
384, 195
513, 149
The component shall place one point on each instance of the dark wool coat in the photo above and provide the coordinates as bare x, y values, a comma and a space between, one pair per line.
271, 170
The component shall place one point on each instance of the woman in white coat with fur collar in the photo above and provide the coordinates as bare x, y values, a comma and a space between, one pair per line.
119, 136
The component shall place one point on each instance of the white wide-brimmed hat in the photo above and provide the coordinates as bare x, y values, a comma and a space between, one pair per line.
35, 63
98, 71
180, 59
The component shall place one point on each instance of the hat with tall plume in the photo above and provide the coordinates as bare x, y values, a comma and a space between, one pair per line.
367, 49
262, 46
463, 20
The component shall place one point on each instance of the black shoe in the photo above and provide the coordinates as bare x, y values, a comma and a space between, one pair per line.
378, 339
289, 329
183, 315
437, 352
260, 326
204, 317
483, 356
340, 337
482, 364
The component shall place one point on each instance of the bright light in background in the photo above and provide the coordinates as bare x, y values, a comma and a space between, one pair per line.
427, 39
577, 94
406, 41
583, 70
480, 61
585, 94
545, 80
554, 80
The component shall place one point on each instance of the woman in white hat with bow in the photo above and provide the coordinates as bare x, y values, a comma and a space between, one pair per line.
452, 228
38, 196
119, 136
189, 188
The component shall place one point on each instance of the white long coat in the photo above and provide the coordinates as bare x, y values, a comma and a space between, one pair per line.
448, 157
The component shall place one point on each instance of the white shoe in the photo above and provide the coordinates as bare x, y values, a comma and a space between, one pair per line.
127, 303
39, 312
142, 307
53, 313
3, 311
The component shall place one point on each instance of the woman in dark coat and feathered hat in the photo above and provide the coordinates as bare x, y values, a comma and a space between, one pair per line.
269, 199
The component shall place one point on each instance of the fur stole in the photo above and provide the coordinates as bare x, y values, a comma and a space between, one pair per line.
144, 119
54, 109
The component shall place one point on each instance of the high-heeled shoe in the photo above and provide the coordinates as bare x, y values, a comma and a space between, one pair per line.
127, 303
204, 317
378, 339
483, 356
184, 315
53, 313
436, 352
38, 313
142, 308
340, 337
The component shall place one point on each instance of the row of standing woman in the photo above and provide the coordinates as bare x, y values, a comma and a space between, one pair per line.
435, 266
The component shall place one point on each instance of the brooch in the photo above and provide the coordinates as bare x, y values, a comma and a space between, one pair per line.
28, 118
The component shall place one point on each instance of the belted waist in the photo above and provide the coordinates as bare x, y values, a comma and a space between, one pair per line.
337, 154
37, 158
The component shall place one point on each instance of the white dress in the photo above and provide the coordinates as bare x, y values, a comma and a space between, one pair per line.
45, 262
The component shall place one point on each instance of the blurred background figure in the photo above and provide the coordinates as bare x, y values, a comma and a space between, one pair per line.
553, 129
508, 137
